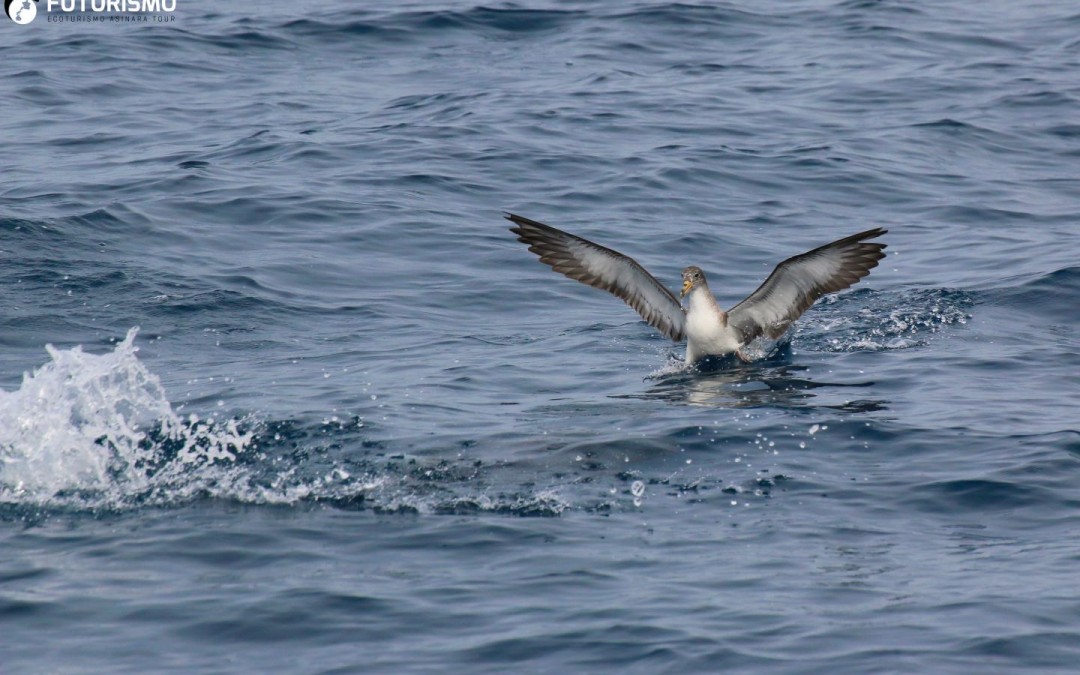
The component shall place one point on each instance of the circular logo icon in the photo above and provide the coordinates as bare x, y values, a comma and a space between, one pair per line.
22, 12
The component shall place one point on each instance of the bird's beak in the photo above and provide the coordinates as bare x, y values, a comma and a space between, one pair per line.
686, 286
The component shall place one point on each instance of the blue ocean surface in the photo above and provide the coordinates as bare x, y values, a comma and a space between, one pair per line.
280, 392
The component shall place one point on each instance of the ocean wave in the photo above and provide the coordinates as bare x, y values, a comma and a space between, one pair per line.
410, 25
1052, 296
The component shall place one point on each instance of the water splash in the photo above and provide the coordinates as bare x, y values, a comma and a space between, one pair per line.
899, 320
673, 366
761, 351
98, 430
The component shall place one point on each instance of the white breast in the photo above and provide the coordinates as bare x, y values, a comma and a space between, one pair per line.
707, 332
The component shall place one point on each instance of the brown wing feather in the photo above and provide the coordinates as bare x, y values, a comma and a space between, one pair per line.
799, 281
606, 269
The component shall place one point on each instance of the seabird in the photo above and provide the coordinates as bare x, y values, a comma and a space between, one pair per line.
708, 330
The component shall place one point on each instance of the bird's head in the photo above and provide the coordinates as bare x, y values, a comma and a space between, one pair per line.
692, 277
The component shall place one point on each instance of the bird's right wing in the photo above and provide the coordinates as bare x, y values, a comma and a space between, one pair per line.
605, 269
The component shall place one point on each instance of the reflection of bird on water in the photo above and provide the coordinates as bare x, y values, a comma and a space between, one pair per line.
772, 384
709, 331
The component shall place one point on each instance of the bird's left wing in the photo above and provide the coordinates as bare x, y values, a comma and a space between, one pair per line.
798, 281
605, 269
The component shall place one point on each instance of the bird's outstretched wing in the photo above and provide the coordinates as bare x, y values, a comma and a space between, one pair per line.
798, 281
605, 269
